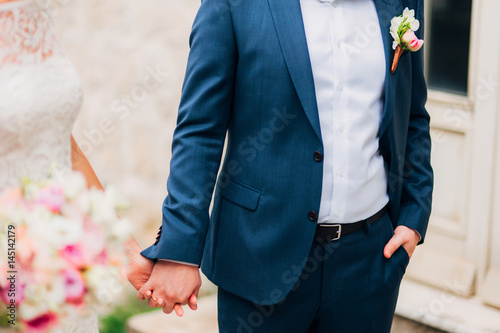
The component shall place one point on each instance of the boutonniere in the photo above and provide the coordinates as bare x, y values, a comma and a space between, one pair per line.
403, 29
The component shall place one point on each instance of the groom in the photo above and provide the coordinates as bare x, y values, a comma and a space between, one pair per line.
325, 189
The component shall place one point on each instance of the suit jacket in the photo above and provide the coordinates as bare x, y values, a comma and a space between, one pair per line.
249, 76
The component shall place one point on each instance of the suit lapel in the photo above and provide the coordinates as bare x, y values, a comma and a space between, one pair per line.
386, 10
287, 17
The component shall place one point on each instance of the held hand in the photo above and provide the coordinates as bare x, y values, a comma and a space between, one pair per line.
139, 268
171, 285
403, 236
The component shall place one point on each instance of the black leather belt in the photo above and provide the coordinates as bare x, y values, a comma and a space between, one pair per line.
329, 232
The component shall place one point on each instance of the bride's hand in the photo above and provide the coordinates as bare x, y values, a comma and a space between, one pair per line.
139, 268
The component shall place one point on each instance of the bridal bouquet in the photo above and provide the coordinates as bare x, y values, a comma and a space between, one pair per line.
60, 251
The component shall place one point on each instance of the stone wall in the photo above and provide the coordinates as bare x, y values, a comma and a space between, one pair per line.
131, 56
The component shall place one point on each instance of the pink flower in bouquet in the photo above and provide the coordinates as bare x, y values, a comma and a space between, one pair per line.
75, 255
41, 323
95, 243
14, 289
412, 42
102, 258
52, 197
74, 286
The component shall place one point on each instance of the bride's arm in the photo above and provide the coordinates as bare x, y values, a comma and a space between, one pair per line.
80, 163
139, 268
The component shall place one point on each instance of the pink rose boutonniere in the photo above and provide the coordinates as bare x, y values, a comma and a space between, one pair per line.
403, 29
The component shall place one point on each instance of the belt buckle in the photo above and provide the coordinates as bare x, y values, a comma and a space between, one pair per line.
339, 231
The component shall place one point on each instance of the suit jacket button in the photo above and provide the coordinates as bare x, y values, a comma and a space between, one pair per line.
312, 216
318, 157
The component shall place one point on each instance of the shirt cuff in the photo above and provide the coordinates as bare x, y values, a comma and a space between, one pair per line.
180, 262
419, 235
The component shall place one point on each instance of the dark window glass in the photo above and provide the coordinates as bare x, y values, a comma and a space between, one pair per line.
448, 35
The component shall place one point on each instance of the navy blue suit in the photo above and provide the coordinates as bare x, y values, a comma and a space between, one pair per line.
249, 76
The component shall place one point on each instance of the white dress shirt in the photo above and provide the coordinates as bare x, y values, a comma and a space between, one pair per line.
348, 64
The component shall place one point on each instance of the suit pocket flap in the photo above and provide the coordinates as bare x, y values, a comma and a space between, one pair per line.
240, 195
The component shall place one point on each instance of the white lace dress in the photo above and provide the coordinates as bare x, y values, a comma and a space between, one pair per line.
40, 96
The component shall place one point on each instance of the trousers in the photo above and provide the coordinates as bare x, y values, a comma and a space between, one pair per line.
345, 286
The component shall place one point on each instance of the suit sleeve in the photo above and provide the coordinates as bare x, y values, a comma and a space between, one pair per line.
203, 118
418, 175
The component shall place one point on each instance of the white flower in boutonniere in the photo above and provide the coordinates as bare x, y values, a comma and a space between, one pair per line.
403, 31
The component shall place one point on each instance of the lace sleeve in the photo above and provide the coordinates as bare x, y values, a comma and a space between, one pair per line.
25, 33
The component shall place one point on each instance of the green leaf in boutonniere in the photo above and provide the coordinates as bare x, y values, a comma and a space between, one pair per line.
403, 29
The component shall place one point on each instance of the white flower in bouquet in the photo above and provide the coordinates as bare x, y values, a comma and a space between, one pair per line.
74, 184
42, 295
104, 284
116, 199
60, 232
120, 232
39, 310
101, 211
